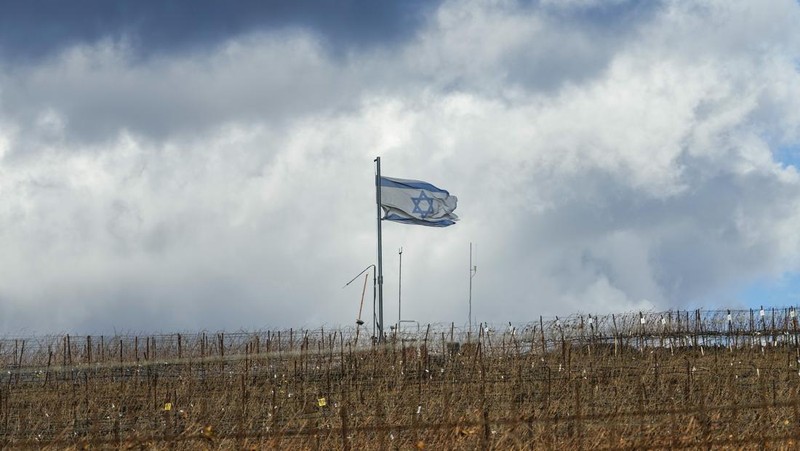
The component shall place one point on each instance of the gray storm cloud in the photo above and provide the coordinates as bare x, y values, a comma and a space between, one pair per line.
601, 168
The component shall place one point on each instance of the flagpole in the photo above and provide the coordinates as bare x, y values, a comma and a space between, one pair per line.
380, 248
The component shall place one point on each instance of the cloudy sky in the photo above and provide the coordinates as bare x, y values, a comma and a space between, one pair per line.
187, 165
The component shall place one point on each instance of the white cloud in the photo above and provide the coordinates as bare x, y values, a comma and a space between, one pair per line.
234, 187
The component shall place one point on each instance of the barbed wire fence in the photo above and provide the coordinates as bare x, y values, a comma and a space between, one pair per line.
639, 380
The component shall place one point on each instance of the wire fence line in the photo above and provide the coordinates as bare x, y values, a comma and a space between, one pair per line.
671, 329
630, 381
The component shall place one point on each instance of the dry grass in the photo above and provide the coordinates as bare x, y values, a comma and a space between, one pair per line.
548, 385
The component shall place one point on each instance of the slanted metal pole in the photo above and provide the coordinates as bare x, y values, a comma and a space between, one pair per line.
373, 292
380, 248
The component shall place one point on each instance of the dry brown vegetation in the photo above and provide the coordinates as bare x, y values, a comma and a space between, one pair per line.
661, 380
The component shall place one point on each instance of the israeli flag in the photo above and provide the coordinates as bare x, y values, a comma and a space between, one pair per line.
416, 202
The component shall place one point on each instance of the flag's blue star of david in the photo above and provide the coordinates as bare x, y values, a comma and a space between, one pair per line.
423, 212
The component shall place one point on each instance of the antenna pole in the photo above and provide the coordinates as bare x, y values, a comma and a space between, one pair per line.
399, 289
472, 271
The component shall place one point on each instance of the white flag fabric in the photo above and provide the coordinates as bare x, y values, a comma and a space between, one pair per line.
416, 202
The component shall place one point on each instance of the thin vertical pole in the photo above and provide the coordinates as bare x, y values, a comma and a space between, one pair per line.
380, 247
472, 270
470, 287
399, 290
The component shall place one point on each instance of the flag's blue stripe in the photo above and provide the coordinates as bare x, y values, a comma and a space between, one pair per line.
435, 223
411, 184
